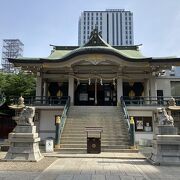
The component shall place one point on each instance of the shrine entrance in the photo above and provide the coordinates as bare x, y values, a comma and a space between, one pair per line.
95, 94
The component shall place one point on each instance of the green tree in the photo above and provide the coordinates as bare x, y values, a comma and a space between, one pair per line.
17, 84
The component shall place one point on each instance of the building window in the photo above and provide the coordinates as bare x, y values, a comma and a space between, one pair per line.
129, 23
126, 42
129, 18
96, 14
126, 27
126, 23
92, 18
130, 42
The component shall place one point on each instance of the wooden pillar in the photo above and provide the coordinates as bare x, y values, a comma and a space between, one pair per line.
146, 91
71, 89
39, 86
95, 92
153, 89
119, 89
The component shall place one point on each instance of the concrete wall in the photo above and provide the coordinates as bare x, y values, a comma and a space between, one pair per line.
139, 136
165, 85
144, 112
47, 122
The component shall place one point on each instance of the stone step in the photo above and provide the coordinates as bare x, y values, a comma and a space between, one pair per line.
74, 122
83, 134
108, 130
80, 138
104, 143
105, 146
113, 137
84, 150
105, 127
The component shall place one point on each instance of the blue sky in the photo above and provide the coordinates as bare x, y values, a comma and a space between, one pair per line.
38, 23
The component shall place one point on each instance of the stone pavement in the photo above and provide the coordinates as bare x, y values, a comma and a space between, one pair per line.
107, 169
88, 167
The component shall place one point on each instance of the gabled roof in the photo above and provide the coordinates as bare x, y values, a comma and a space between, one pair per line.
95, 45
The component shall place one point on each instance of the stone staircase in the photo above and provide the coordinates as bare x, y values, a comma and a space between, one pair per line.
114, 136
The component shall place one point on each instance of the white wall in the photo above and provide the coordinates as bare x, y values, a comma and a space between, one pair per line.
143, 136
145, 112
165, 85
47, 123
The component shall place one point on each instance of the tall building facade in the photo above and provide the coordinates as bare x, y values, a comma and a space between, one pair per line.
12, 48
115, 25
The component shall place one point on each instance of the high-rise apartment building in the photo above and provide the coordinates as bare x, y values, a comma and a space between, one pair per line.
116, 26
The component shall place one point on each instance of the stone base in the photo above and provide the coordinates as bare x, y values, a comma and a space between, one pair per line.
167, 130
166, 150
24, 145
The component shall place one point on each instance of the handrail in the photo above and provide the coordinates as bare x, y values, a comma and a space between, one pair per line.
60, 126
149, 100
64, 114
126, 115
41, 100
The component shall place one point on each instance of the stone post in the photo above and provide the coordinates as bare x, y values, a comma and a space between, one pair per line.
24, 140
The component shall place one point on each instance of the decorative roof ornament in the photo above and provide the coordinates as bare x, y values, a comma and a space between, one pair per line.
96, 39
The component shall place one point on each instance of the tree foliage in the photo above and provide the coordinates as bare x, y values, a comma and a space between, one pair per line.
17, 84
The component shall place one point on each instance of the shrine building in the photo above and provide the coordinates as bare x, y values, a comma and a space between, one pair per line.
100, 79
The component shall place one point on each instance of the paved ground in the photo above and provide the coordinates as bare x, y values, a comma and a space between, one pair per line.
101, 167
23, 170
107, 169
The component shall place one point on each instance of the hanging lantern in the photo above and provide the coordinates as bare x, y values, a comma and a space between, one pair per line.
78, 82
101, 82
114, 82
89, 81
